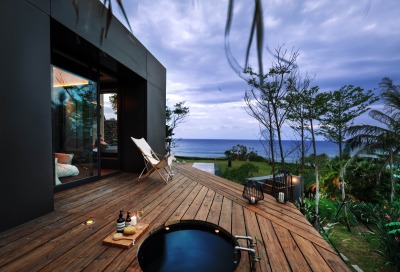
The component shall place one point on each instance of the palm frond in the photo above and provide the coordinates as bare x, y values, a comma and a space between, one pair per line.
121, 6
383, 118
231, 59
257, 30
76, 8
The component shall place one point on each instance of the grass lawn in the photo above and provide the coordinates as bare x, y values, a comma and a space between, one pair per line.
359, 250
264, 168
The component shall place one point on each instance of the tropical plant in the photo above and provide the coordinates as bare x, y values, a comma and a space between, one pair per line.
326, 212
344, 105
257, 30
385, 219
362, 181
381, 140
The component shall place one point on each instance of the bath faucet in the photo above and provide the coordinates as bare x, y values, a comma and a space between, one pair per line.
252, 252
250, 249
248, 238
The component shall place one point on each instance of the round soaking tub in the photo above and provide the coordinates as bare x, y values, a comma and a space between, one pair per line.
188, 246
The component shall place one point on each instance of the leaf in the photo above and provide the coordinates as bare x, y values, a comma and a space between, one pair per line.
121, 6
394, 231
109, 18
393, 224
76, 8
257, 30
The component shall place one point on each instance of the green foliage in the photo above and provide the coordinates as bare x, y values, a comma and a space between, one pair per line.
386, 221
114, 102
383, 140
174, 116
240, 173
243, 153
322, 161
344, 105
327, 209
266, 100
395, 226
362, 180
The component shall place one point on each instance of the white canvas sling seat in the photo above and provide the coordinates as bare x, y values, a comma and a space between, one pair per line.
152, 161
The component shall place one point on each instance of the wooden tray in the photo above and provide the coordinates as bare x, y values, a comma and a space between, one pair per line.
125, 243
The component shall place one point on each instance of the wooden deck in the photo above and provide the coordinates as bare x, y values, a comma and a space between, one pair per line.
60, 241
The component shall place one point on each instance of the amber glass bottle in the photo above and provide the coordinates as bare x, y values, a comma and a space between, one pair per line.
128, 219
121, 222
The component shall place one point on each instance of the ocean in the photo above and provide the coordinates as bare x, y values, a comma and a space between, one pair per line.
215, 148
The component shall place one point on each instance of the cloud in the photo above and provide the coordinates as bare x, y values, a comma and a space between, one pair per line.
340, 42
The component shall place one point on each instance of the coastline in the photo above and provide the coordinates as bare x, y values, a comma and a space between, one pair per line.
215, 148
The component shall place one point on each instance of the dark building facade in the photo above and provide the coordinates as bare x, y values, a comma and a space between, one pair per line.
58, 71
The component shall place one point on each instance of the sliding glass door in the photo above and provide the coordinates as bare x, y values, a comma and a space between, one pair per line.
74, 113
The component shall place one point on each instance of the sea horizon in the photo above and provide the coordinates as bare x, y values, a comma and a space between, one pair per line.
215, 148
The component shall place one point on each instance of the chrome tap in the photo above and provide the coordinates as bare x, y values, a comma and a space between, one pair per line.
252, 252
249, 239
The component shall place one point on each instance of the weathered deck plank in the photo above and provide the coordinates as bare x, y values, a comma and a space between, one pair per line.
60, 241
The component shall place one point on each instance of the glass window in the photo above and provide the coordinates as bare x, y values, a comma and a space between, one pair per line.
109, 120
74, 113
108, 129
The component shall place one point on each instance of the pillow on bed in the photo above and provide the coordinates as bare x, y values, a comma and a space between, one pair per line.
66, 170
64, 158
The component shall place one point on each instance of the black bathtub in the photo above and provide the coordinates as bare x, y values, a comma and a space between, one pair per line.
188, 246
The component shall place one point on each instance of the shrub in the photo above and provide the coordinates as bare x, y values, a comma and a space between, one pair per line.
386, 220
327, 209
240, 173
243, 153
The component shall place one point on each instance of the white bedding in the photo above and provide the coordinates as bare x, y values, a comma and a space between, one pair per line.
66, 170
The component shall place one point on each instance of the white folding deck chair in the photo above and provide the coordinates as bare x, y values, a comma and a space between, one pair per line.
152, 161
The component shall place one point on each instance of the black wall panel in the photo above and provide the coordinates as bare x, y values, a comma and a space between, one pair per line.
26, 182
26, 28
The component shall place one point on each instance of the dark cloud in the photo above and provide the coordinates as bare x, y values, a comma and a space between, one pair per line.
340, 42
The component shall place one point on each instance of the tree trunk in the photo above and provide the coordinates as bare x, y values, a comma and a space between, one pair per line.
316, 218
342, 185
392, 180
302, 205
278, 132
271, 141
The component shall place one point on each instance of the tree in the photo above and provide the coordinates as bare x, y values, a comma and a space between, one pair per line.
309, 106
174, 117
114, 102
298, 116
242, 153
381, 140
267, 102
344, 106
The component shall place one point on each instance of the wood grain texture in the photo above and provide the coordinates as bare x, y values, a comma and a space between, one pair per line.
60, 241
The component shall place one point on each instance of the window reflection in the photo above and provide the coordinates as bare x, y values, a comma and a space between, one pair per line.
74, 111
108, 137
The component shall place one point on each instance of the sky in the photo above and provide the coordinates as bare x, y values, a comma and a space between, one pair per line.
339, 43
